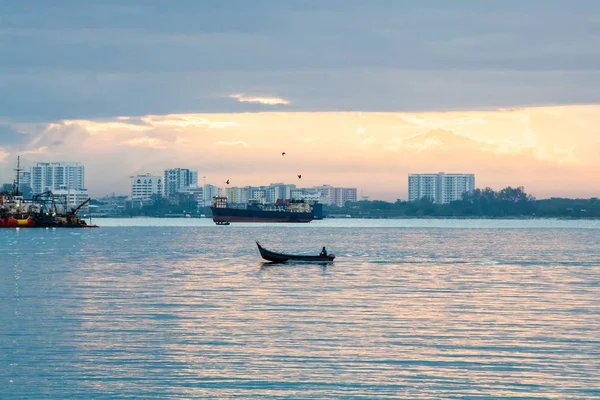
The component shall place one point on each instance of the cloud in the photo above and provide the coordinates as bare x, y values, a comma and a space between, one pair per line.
367, 141
185, 121
145, 141
520, 146
236, 143
39, 150
450, 141
11, 136
3, 155
271, 101
94, 127
93, 60
311, 139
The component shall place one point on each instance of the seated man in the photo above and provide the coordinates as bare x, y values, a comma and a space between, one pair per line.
323, 252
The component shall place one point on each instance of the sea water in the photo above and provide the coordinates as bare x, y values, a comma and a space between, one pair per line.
152, 308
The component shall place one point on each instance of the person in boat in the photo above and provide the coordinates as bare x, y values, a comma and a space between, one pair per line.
323, 252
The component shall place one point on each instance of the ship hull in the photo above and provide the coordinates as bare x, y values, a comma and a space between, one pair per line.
43, 223
222, 215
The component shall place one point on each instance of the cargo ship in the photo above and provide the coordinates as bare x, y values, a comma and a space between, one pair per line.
298, 211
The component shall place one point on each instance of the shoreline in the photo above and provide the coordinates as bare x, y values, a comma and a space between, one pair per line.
363, 218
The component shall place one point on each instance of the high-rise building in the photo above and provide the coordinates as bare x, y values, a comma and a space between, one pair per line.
24, 180
326, 194
297, 194
343, 195
210, 191
278, 191
234, 194
440, 188
56, 176
177, 179
258, 195
144, 186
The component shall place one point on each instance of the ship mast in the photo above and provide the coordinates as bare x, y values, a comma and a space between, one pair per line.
18, 171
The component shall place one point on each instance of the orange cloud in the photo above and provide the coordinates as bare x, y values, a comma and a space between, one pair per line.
549, 150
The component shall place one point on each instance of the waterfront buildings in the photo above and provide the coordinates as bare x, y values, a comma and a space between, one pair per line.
344, 195
74, 198
24, 180
65, 179
55, 176
179, 178
278, 191
111, 205
236, 195
440, 188
144, 186
209, 192
325, 194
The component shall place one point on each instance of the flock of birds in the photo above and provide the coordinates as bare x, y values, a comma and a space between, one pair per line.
282, 154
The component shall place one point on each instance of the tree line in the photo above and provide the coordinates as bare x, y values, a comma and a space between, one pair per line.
508, 202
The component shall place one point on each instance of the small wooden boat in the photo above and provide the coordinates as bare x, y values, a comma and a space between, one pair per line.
281, 258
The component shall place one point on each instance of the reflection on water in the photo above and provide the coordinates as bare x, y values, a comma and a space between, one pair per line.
188, 312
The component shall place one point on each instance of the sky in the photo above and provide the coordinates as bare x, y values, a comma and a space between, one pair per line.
357, 93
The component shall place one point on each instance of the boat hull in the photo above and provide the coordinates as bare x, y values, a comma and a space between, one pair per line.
42, 223
222, 215
281, 257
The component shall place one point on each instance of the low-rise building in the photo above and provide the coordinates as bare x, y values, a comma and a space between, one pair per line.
74, 197
143, 187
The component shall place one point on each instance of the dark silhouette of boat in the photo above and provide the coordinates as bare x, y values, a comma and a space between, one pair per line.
281, 257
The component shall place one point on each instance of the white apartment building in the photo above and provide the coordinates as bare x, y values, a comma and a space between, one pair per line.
46, 176
258, 195
326, 194
210, 191
177, 179
144, 186
440, 188
343, 195
74, 198
278, 191
297, 194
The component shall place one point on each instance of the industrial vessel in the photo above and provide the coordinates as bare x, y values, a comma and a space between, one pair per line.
43, 210
299, 211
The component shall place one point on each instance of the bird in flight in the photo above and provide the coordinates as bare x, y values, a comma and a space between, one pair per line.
299, 176
283, 154
227, 181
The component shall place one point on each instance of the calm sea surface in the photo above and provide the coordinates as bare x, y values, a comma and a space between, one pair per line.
153, 308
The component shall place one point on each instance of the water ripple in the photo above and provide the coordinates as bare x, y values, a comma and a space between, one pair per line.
192, 312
